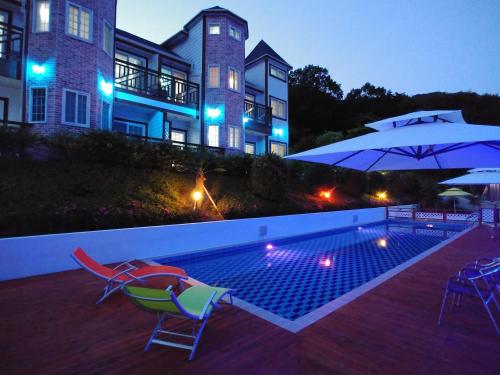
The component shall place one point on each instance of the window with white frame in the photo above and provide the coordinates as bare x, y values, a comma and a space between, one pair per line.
278, 148
76, 108
4, 18
213, 76
234, 33
234, 136
79, 22
105, 115
234, 79
38, 104
279, 108
178, 136
213, 136
250, 148
214, 29
41, 16
277, 73
107, 38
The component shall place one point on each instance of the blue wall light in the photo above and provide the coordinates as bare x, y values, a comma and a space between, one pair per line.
245, 119
106, 87
38, 69
278, 132
213, 113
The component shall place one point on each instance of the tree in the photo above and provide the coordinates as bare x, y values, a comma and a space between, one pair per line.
315, 77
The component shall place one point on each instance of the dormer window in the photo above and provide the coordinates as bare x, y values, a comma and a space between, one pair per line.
277, 73
214, 29
234, 33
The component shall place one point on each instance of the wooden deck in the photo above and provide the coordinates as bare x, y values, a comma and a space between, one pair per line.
50, 325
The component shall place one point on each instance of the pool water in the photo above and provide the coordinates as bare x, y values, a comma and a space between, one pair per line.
293, 276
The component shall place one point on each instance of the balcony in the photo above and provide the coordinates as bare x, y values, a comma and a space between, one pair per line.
140, 80
11, 41
258, 117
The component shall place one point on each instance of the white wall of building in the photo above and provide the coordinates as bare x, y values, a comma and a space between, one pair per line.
38, 255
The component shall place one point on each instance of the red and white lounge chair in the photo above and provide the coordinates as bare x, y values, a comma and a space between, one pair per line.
124, 273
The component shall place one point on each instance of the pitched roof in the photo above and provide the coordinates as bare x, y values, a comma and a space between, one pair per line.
216, 10
262, 49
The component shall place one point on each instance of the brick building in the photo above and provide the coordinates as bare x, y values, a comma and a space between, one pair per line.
195, 89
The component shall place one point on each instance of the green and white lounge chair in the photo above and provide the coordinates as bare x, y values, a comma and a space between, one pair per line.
195, 303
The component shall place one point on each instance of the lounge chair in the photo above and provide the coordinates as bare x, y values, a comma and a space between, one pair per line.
124, 273
195, 303
471, 282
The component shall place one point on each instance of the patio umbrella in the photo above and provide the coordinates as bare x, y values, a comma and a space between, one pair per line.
418, 140
490, 177
454, 192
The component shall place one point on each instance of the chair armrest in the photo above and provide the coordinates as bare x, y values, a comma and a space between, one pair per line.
124, 272
127, 263
209, 302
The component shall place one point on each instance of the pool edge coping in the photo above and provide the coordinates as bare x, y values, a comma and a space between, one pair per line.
295, 326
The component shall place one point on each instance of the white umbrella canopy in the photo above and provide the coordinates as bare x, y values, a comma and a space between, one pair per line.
479, 176
419, 140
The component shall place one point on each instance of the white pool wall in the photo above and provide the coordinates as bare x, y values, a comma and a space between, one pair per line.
38, 255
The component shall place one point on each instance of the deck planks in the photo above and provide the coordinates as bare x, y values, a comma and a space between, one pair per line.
50, 325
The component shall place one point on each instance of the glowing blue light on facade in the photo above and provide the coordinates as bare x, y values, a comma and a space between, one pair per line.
245, 119
213, 113
106, 87
38, 69
278, 132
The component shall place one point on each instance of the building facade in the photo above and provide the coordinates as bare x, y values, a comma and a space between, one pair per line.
65, 67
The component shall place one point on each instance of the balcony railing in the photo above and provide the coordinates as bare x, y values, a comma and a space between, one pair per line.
11, 46
257, 112
182, 145
148, 82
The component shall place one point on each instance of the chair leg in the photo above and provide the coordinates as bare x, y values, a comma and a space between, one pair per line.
443, 306
107, 291
492, 318
197, 339
161, 318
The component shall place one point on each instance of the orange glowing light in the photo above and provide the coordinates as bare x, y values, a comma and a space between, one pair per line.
382, 195
326, 194
197, 196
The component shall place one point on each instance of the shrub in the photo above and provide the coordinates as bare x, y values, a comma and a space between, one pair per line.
268, 177
14, 142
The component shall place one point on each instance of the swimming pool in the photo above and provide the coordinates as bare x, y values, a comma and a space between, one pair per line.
291, 277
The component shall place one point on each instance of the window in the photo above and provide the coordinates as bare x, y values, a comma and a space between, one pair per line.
234, 137
279, 108
214, 29
41, 18
234, 79
79, 22
277, 73
105, 115
107, 38
76, 108
234, 33
129, 71
4, 18
213, 76
133, 129
250, 97
213, 136
278, 148
38, 104
250, 148
178, 136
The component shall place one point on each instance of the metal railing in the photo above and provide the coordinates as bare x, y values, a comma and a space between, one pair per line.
182, 145
144, 81
11, 46
257, 112
481, 215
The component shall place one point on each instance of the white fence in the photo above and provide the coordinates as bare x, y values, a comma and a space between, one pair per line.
37, 255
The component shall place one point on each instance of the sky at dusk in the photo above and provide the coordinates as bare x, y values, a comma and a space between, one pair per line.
406, 46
